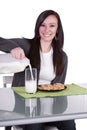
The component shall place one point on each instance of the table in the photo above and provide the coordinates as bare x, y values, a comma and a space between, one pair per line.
15, 110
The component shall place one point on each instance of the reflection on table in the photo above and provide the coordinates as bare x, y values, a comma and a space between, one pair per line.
15, 110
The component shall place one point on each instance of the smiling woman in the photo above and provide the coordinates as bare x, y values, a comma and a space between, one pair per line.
18, 19
47, 41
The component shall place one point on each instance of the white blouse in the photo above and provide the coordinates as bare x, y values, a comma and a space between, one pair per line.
47, 70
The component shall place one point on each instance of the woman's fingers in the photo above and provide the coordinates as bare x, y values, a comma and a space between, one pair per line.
18, 53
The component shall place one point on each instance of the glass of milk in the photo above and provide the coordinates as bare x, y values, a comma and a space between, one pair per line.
30, 80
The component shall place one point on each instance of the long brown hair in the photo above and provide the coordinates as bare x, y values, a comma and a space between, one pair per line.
57, 43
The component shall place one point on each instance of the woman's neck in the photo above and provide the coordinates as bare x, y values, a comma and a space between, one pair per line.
45, 47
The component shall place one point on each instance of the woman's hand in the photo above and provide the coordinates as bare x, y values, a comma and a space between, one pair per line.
18, 53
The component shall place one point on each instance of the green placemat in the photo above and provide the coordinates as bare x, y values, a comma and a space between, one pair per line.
72, 89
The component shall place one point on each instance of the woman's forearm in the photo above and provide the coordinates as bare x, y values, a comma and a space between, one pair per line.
7, 45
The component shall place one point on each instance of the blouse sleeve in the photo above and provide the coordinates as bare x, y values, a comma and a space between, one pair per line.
6, 45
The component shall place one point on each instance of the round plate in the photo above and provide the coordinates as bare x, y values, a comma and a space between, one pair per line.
45, 89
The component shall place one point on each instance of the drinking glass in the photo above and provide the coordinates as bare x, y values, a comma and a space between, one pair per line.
30, 80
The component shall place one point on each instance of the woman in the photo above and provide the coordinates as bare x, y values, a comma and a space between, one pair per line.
45, 52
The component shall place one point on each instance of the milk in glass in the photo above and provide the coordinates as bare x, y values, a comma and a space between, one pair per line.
30, 80
30, 86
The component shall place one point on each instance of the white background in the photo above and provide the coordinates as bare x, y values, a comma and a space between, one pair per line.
18, 17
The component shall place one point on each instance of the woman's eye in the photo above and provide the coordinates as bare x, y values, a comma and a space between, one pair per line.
52, 25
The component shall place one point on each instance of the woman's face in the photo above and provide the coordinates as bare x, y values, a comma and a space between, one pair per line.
48, 28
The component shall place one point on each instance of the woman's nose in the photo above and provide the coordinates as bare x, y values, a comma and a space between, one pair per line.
46, 28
